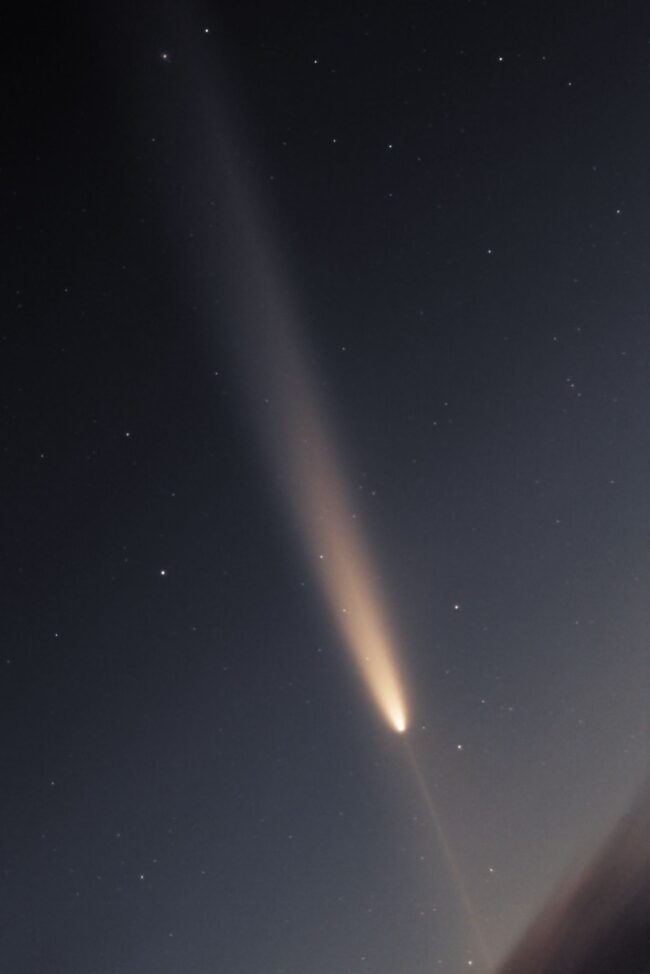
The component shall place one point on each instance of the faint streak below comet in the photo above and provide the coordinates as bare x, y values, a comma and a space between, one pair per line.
452, 865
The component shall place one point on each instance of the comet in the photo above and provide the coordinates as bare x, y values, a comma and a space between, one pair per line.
287, 411
335, 544
290, 418
332, 535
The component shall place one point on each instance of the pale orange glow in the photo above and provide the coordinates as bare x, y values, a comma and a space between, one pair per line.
336, 547
290, 418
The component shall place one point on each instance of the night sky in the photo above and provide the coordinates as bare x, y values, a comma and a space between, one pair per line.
431, 220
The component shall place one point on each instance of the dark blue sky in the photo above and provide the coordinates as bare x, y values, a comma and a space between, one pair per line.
455, 199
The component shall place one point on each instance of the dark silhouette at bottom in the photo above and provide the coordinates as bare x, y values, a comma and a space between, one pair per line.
598, 923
